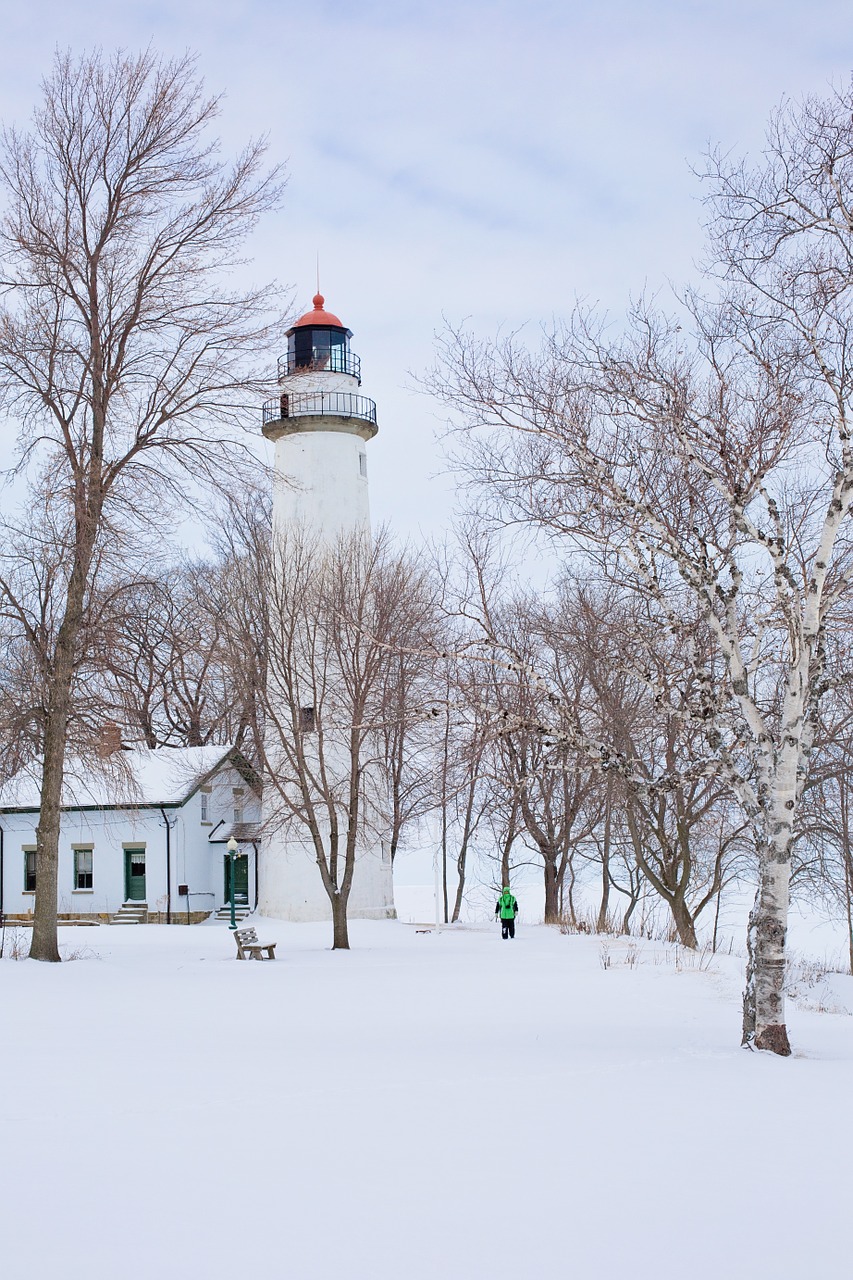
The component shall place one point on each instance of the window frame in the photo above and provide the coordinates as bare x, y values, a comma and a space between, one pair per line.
30, 850
76, 850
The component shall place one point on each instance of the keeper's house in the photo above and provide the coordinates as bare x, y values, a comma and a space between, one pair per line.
143, 838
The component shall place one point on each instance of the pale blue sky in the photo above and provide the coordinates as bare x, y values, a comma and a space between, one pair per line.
483, 160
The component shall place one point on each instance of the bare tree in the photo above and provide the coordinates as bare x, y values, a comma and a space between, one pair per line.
412, 698
663, 463
35, 562
337, 621
243, 544
174, 677
467, 780
126, 353
672, 463
711, 455
552, 786
686, 837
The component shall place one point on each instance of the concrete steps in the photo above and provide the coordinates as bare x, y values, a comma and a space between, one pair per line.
241, 910
131, 913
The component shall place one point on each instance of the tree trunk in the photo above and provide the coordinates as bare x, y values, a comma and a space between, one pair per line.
684, 924
764, 997
604, 905
552, 910
567, 900
632, 906
460, 882
340, 929
848, 886
845, 854
44, 944
717, 917
445, 898
505, 852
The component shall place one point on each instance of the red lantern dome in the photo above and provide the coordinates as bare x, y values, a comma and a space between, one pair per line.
319, 317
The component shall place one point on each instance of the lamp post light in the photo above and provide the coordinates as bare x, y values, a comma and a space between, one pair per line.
232, 858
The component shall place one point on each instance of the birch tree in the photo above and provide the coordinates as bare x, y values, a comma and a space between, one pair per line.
674, 463
128, 355
782, 243
705, 460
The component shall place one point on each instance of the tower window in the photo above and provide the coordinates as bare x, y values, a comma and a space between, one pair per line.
307, 720
362, 465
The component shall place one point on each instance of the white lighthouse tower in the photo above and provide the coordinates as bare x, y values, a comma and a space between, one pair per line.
321, 424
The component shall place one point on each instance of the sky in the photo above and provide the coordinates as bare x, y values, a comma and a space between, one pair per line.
489, 162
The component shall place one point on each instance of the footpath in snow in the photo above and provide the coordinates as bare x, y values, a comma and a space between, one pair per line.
426, 1106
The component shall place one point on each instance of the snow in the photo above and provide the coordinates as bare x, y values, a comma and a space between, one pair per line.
427, 1105
166, 776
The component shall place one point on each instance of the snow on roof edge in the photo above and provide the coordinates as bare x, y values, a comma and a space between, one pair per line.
136, 778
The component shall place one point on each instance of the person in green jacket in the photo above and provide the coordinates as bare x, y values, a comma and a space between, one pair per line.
506, 909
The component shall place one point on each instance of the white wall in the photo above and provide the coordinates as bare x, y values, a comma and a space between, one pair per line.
195, 862
107, 831
319, 485
291, 887
319, 480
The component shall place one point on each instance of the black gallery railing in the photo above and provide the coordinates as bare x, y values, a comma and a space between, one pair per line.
334, 360
320, 404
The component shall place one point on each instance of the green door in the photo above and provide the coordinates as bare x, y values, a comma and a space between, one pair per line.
241, 880
134, 875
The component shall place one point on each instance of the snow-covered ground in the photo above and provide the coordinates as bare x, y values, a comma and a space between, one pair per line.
427, 1105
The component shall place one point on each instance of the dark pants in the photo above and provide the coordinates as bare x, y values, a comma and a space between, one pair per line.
508, 928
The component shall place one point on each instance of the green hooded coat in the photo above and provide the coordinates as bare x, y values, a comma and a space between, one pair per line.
507, 906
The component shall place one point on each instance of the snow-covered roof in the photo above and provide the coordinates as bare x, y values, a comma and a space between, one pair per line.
124, 780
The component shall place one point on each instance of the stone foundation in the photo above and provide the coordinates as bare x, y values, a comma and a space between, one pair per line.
179, 916
104, 917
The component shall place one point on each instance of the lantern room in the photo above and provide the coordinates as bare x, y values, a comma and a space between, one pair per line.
319, 341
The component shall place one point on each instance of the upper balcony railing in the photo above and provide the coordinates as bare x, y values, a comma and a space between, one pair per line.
336, 404
336, 360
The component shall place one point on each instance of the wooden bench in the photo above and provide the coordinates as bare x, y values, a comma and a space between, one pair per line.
248, 947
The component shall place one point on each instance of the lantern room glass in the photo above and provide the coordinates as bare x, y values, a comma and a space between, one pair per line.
318, 348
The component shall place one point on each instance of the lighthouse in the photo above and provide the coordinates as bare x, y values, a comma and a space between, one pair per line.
320, 424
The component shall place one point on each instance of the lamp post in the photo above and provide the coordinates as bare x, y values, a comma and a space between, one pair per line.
232, 858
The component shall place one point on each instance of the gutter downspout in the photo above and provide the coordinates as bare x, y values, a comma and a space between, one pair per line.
255, 847
168, 866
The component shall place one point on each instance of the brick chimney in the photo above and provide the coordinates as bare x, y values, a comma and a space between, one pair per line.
109, 741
